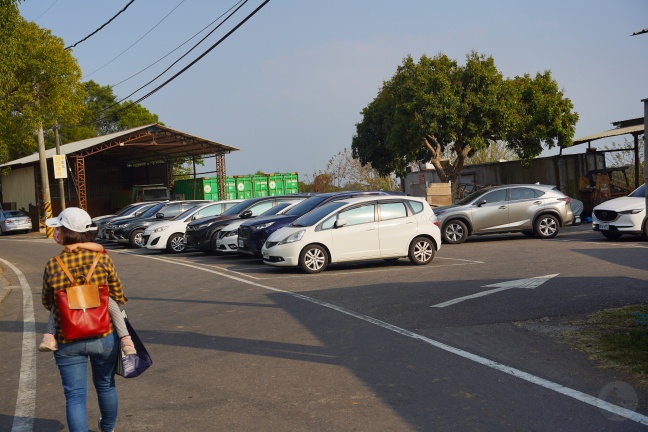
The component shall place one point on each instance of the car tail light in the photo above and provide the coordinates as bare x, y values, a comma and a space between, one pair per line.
566, 199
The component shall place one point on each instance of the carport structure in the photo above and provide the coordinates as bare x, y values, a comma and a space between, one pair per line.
103, 165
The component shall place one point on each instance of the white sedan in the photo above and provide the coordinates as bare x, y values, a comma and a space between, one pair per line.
227, 241
353, 229
169, 234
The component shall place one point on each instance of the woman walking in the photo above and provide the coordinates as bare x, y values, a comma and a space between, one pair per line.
73, 225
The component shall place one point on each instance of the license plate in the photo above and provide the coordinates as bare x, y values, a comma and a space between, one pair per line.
604, 226
240, 243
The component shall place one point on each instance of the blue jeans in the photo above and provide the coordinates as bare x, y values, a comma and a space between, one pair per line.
72, 361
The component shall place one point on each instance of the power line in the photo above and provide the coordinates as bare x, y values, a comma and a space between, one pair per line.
134, 43
187, 53
45, 11
178, 47
104, 25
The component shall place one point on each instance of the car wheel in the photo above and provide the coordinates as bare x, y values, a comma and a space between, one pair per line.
546, 227
455, 232
136, 239
612, 235
421, 251
213, 247
176, 244
313, 259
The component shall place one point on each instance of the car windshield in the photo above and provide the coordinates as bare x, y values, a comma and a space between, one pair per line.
152, 211
311, 218
473, 196
238, 208
640, 192
307, 205
125, 210
276, 209
13, 213
186, 212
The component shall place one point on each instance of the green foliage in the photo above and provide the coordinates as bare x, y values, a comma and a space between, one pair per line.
435, 107
40, 83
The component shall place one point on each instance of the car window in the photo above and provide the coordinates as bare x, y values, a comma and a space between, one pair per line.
538, 193
171, 210
212, 210
639, 192
496, 196
417, 206
13, 213
521, 193
358, 215
392, 210
312, 217
259, 208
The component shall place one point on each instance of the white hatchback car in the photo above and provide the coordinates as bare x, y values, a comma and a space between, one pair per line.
625, 215
353, 229
227, 241
169, 234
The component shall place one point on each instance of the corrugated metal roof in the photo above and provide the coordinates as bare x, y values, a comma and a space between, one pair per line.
143, 144
609, 133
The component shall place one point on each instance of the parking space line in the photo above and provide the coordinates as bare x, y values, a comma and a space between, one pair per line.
550, 385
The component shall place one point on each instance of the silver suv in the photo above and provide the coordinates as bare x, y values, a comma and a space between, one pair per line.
532, 209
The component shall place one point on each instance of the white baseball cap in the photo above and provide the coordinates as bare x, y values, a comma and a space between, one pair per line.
72, 218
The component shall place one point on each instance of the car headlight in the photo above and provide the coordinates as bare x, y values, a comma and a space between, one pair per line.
159, 229
634, 211
294, 237
119, 226
261, 226
230, 233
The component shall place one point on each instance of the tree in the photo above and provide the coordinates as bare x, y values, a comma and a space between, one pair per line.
496, 152
620, 155
347, 173
435, 108
40, 85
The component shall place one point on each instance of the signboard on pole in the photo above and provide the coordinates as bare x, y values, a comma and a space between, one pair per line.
60, 167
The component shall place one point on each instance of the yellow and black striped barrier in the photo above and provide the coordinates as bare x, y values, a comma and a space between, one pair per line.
49, 231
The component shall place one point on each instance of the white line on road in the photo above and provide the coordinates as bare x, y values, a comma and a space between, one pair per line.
575, 394
26, 402
530, 283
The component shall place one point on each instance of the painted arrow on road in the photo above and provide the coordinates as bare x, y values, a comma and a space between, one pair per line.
530, 283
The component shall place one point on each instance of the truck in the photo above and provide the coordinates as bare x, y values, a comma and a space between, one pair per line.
150, 192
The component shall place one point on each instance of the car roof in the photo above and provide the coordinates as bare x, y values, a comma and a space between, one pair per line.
356, 200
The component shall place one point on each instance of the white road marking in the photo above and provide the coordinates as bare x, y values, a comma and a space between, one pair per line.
26, 401
530, 283
574, 394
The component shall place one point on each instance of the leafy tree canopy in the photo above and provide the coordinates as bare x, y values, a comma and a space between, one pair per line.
435, 107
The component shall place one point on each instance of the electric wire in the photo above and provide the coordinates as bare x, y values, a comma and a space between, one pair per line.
185, 54
45, 11
137, 41
96, 31
176, 48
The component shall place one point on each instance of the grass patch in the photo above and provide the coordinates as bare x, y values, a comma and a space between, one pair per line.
615, 338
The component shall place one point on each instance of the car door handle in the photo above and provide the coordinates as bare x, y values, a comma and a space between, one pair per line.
371, 229
537, 202
502, 207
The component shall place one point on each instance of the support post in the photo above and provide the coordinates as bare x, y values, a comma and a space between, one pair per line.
645, 101
60, 181
47, 203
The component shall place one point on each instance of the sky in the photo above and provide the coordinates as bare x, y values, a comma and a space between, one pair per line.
287, 87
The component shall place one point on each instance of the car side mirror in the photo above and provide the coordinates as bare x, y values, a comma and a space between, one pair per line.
480, 203
246, 214
159, 216
340, 223
198, 216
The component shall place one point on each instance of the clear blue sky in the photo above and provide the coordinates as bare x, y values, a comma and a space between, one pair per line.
287, 88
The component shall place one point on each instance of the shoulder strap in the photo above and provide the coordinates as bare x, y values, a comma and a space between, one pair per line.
92, 269
69, 275
65, 269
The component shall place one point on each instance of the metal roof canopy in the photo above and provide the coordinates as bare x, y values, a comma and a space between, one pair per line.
635, 127
149, 144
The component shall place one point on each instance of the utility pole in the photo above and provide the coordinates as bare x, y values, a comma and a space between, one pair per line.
47, 204
645, 101
60, 180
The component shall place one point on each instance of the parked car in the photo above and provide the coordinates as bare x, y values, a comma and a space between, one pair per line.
203, 234
624, 215
227, 242
169, 234
14, 221
130, 230
131, 210
532, 209
253, 234
353, 229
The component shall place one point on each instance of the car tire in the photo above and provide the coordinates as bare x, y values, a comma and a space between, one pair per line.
455, 232
611, 235
176, 244
546, 226
313, 259
421, 251
136, 239
213, 247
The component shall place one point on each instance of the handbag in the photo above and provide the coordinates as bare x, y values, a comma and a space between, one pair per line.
133, 365
83, 309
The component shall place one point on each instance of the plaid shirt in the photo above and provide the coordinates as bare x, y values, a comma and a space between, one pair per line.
78, 262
